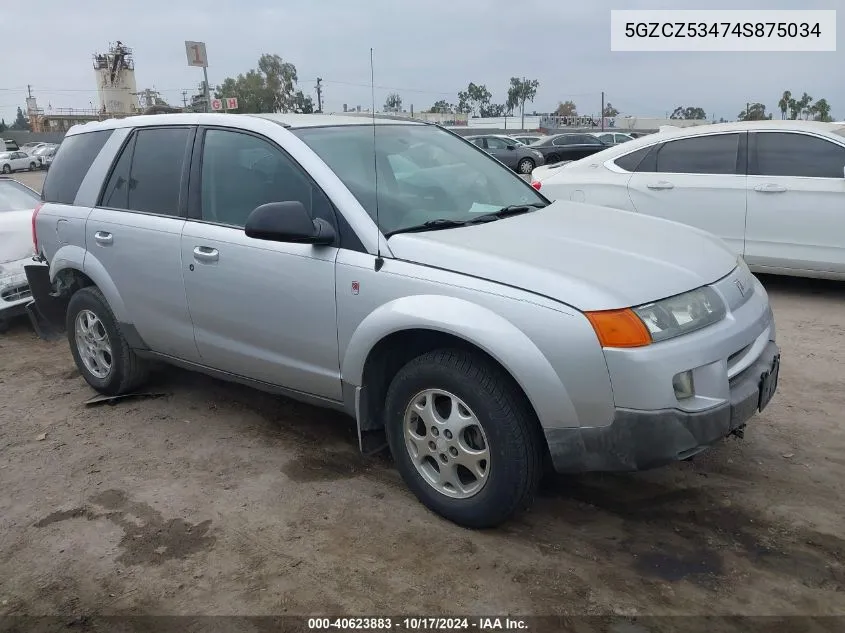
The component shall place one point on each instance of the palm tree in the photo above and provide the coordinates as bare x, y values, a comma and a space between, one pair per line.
784, 102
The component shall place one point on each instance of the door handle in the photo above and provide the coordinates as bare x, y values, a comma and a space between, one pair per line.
103, 237
206, 254
770, 188
661, 185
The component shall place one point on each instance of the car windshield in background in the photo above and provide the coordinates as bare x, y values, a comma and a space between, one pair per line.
425, 174
16, 197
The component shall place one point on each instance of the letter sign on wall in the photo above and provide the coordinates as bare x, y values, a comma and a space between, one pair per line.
231, 103
217, 105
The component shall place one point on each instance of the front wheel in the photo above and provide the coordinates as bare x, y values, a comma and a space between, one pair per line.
526, 166
463, 437
99, 349
32, 167
7, 169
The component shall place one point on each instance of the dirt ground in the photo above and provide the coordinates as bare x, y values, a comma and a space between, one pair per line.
216, 499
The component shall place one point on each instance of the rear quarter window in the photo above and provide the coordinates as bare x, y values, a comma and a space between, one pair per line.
72, 161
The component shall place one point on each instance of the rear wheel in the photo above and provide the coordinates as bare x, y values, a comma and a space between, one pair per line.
552, 158
99, 349
526, 166
463, 437
32, 167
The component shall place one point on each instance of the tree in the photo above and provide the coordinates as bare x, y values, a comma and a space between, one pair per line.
566, 108
393, 103
493, 110
610, 111
804, 105
3, 125
302, 104
795, 108
754, 112
821, 110
694, 113
471, 100
441, 107
269, 88
21, 122
784, 103
520, 91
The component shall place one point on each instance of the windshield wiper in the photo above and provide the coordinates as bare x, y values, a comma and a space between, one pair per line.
504, 212
431, 225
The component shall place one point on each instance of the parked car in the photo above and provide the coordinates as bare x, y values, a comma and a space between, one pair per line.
512, 153
29, 148
47, 157
773, 190
17, 203
455, 313
568, 146
41, 151
17, 161
613, 138
9, 144
527, 139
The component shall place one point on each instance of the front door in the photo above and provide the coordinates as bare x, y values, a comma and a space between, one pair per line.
498, 147
699, 181
263, 310
135, 235
796, 203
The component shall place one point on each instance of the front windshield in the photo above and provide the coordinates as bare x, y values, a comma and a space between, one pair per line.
15, 197
424, 173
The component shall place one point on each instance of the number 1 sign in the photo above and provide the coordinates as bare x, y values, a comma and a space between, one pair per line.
196, 54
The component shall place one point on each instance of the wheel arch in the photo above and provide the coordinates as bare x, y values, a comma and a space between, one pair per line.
405, 328
72, 267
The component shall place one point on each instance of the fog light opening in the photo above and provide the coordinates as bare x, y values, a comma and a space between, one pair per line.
683, 385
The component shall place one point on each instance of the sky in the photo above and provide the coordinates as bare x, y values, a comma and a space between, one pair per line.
424, 50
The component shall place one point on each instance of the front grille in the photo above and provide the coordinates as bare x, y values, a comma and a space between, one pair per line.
14, 288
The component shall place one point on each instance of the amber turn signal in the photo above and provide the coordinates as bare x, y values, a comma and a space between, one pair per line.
619, 328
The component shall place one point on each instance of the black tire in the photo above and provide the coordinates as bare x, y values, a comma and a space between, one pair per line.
127, 370
7, 169
526, 166
32, 167
515, 443
552, 159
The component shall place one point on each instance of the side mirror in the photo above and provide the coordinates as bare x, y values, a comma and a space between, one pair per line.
288, 222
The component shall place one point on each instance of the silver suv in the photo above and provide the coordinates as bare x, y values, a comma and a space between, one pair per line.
394, 271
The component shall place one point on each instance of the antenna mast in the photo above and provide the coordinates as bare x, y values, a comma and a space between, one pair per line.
379, 259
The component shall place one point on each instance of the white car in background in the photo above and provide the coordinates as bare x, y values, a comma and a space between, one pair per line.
773, 190
17, 203
17, 161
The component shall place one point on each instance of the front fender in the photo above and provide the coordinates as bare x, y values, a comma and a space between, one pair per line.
475, 324
77, 258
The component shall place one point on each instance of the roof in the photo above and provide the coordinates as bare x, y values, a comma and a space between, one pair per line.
198, 118
768, 124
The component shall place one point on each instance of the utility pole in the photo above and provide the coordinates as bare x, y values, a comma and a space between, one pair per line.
602, 110
319, 95
184, 98
29, 91
522, 101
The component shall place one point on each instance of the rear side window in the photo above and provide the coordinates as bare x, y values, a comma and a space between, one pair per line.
716, 154
147, 176
799, 155
630, 162
72, 161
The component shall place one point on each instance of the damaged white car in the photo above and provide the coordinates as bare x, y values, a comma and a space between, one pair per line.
17, 202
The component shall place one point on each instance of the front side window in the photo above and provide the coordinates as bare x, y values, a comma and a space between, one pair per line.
799, 155
496, 143
424, 173
240, 172
713, 154
563, 140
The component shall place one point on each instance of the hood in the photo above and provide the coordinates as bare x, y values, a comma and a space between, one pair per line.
15, 235
589, 257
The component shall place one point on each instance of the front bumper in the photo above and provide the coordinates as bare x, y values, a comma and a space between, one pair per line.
639, 440
14, 288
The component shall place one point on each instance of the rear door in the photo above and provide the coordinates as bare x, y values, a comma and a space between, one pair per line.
796, 202
698, 181
135, 234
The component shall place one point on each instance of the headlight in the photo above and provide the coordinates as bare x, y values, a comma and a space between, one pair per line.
537, 154
682, 314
